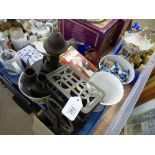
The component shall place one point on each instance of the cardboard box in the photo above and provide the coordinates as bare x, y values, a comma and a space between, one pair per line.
100, 35
73, 58
39, 128
124, 25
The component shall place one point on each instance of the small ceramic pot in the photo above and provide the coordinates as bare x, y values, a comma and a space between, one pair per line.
22, 87
41, 80
29, 74
39, 87
18, 38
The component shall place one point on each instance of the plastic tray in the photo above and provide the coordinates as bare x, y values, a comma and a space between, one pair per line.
119, 120
93, 118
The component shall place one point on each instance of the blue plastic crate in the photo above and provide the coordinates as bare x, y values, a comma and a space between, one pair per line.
92, 122
12, 78
93, 117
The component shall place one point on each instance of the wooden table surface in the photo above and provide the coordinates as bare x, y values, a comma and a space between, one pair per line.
111, 112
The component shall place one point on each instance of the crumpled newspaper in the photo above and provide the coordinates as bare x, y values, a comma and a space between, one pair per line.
137, 42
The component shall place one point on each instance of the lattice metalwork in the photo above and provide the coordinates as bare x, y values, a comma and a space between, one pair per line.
70, 83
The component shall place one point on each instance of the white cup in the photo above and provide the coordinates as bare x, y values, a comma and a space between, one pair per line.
19, 43
13, 63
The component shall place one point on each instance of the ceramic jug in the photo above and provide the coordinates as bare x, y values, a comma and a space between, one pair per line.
18, 38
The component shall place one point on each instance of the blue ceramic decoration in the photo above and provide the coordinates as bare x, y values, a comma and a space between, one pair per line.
116, 69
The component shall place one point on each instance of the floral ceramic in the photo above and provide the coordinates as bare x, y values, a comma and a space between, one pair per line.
29, 55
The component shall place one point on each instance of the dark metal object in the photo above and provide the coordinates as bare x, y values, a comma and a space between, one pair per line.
50, 63
45, 66
60, 124
70, 83
54, 46
36, 88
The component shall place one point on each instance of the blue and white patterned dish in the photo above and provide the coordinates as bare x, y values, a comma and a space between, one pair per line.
119, 67
29, 55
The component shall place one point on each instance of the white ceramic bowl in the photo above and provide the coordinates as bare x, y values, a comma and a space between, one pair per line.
124, 64
110, 85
